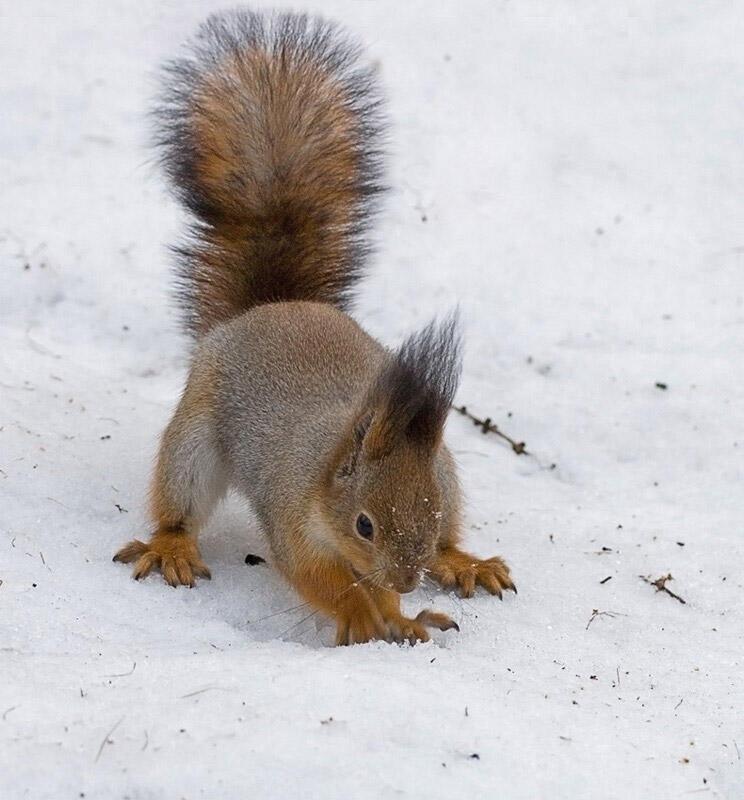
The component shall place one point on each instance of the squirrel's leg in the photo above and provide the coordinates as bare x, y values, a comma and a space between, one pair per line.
189, 479
362, 612
453, 568
330, 586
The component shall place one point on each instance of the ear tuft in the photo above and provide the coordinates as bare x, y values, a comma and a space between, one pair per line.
358, 435
414, 392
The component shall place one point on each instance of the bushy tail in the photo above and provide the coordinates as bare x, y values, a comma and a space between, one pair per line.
269, 131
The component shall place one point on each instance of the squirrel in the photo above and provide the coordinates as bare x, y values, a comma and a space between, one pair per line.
270, 132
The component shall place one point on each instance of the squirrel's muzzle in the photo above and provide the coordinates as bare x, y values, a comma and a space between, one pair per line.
406, 579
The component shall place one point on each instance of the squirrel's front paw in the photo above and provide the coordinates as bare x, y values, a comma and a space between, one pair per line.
455, 569
408, 630
176, 555
360, 623
369, 625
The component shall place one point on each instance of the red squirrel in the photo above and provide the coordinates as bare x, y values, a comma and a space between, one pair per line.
269, 130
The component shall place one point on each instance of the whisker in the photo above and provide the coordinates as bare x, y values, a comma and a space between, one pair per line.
425, 583
358, 581
351, 586
460, 601
278, 613
299, 622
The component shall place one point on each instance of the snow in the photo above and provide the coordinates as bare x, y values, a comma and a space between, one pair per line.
571, 175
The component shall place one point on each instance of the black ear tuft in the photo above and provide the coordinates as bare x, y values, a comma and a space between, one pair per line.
416, 388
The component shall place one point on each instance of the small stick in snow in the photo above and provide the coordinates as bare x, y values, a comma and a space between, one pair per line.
604, 580
107, 739
54, 500
123, 674
597, 613
661, 585
206, 689
39, 348
488, 426
13, 708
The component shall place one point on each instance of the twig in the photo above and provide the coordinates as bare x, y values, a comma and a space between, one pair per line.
660, 584
39, 348
54, 500
106, 739
206, 689
13, 708
488, 426
597, 613
123, 674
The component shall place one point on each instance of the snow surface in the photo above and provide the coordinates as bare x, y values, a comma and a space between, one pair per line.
571, 174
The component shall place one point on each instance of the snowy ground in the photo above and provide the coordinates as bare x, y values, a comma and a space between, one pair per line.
572, 175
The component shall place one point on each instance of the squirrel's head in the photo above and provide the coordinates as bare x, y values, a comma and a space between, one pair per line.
384, 488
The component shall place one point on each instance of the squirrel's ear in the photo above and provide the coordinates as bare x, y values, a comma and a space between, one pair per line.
355, 444
414, 391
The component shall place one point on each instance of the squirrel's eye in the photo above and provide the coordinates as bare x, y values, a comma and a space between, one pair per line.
364, 526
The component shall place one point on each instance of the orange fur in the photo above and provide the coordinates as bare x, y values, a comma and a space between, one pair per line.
173, 548
175, 553
270, 134
363, 611
455, 569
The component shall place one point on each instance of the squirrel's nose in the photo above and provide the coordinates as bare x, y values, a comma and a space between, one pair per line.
407, 579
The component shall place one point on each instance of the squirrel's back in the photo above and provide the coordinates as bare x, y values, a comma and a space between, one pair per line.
269, 132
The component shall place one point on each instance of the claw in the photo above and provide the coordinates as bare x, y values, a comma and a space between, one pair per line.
177, 558
131, 551
435, 619
456, 569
